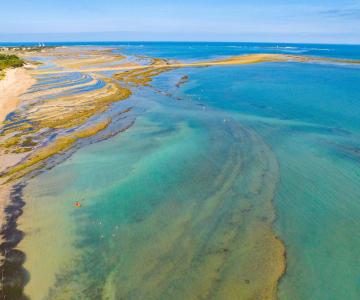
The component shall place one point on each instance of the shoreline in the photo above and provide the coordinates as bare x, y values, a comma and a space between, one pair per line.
19, 80
137, 75
18, 147
14, 276
16, 82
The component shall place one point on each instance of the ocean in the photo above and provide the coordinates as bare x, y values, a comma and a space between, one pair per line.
244, 180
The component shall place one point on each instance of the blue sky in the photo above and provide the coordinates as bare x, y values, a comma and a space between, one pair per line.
331, 21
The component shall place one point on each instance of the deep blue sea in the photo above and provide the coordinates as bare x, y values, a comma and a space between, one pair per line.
195, 50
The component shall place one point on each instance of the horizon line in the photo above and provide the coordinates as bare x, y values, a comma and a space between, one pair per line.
172, 41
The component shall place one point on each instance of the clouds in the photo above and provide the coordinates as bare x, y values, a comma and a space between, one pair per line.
347, 13
241, 20
344, 11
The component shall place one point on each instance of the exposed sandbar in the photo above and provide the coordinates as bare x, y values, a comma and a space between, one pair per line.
235, 60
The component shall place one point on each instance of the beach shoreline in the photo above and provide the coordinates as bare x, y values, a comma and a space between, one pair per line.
73, 104
15, 83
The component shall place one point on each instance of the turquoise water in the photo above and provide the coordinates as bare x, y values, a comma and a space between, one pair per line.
165, 207
172, 207
309, 114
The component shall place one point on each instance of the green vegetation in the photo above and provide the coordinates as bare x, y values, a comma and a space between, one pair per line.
10, 61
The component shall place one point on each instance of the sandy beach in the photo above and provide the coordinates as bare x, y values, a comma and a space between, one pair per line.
15, 83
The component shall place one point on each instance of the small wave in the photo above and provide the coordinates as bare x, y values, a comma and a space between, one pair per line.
234, 47
319, 49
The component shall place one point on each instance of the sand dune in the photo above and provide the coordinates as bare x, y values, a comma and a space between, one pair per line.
16, 82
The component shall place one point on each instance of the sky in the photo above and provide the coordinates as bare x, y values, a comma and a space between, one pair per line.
313, 21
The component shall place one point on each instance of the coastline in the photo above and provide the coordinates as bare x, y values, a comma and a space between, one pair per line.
135, 77
15, 83
23, 141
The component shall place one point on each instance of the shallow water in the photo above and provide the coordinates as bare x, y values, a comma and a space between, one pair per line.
310, 115
186, 193
183, 203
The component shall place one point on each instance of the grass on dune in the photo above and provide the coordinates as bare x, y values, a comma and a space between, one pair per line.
10, 61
